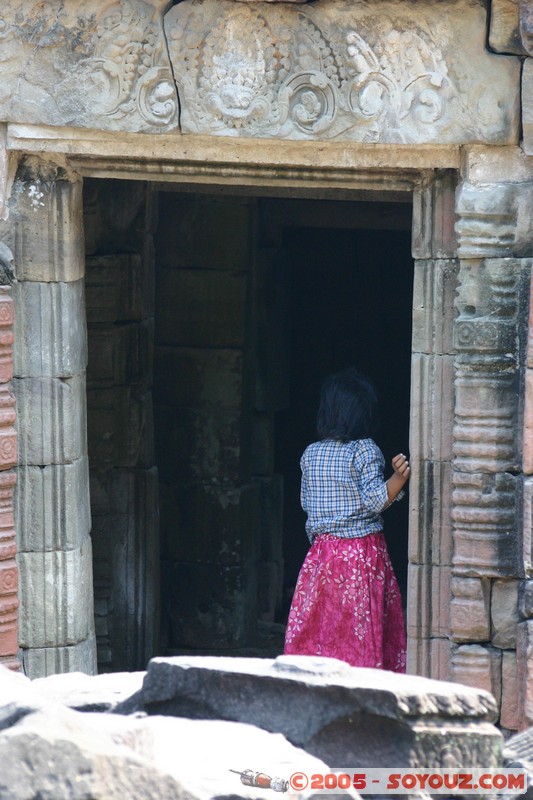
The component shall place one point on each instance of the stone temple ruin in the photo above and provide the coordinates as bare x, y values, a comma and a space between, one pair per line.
206, 206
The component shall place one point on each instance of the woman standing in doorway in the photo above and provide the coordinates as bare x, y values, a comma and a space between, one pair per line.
347, 603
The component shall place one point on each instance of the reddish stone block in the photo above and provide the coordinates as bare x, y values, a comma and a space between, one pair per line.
8, 436
6, 337
8, 626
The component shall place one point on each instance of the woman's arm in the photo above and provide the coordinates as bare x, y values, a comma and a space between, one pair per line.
399, 478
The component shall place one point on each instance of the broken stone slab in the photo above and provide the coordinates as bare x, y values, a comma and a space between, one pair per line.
18, 697
357, 716
58, 753
89, 693
518, 754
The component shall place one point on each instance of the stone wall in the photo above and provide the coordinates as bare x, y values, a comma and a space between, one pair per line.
119, 223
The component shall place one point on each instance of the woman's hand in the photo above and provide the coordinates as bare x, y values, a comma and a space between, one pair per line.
401, 467
395, 484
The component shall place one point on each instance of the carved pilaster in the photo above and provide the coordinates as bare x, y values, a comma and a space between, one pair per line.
8, 574
486, 447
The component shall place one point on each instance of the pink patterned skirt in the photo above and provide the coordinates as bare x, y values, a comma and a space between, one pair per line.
347, 604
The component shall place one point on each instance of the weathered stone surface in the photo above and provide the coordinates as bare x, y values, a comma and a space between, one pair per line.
504, 613
353, 718
7, 314
52, 508
211, 524
470, 610
526, 545
475, 665
117, 77
119, 427
4, 173
509, 716
49, 618
125, 566
8, 434
118, 288
18, 697
504, 32
527, 450
201, 308
343, 74
430, 502
210, 605
51, 415
484, 516
428, 611
526, 25
432, 407
44, 229
482, 165
524, 651
209, 442
50, 329
525, 599
435, 285
196, 377
193, 232
441, 659
494, 221
121, 355
434, 217
61, 753
41, 661
83, 692
527, 106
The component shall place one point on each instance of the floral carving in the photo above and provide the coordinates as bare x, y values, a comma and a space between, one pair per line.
252, 69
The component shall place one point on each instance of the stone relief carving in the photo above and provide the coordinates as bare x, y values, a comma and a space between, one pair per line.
87, 64
337, 72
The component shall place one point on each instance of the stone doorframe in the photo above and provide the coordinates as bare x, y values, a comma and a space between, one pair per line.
470, 541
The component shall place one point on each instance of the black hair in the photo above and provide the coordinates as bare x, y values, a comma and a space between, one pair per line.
348, 407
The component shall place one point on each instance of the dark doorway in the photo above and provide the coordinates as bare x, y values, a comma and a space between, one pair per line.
351, 305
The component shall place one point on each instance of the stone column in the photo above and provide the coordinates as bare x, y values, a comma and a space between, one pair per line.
52, 494
8, 444
430, 541
495, 236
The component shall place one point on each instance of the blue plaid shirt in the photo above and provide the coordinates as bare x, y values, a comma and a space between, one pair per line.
343, 489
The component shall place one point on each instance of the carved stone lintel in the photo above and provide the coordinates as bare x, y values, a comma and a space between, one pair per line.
245, 69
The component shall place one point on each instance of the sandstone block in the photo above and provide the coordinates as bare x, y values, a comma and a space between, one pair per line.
51, 415
527, 450
50, 329
524, 655
262, 450
357, 716
430, 498
125, 541
504, 613
201, 308
41, 661
199, 378
194, 233
484, 516
432, 407
119, 288
52, 506
59, 84
509, 716
8, 435
441, 658
526, 544
497, 165
119, 427
121, 355
334, 103
470, 609
428, 609
209, 442
492, 221
435, 285
89, 693
211, 524
208, 606
480, 667
57, 597
7, 313
525, 599
45, 229
527, 106
434, 219
504, 32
